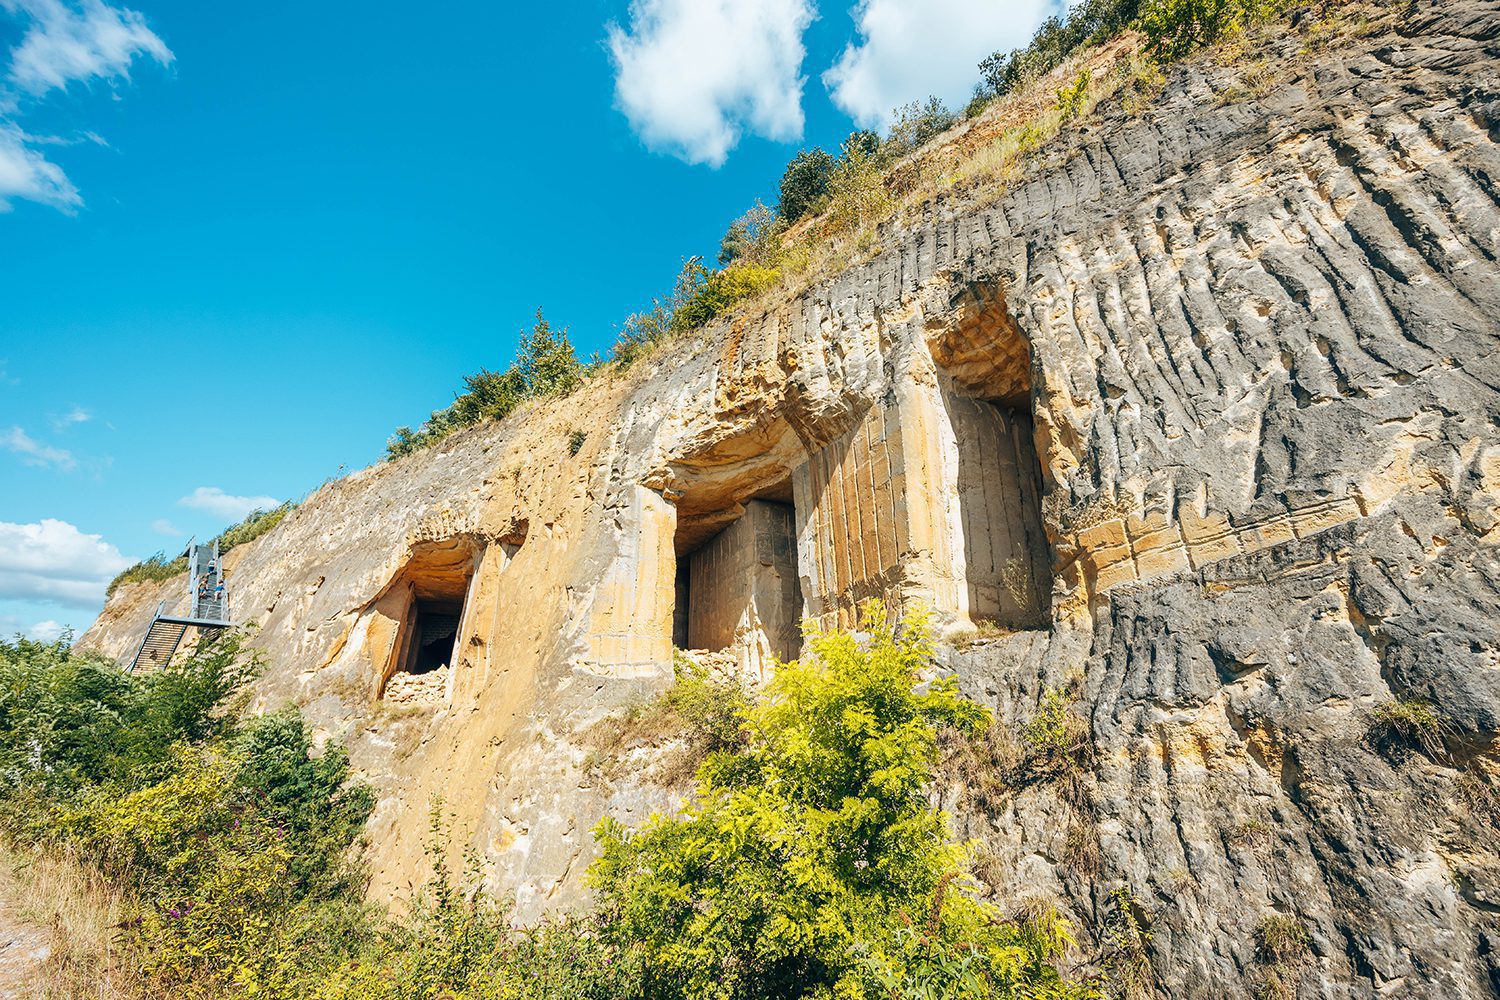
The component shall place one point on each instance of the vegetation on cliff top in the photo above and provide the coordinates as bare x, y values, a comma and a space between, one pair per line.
158, 567
830, 206
810, 863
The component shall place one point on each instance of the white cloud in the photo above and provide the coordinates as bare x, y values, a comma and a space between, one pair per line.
225, 505
25, 173
33, 453
911, 49
77, 415
47, 631
66, 43
52, 560
693, 75
63, 42
164, 527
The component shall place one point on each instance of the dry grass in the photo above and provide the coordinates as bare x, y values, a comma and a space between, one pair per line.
984, 630
84, 916
1283, 944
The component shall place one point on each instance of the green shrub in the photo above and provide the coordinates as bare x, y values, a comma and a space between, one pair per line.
811, 864
232, 838
158, 568
710, 293
701, 712
70, 722
753, 238
915, 123
1175, 28
809, 848
545, 365
154, 569
804, 183
1072, 98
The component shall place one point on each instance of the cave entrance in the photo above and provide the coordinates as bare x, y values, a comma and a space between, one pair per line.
433, 629
737, 584
428, 598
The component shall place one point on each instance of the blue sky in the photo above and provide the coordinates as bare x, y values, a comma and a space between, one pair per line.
243, 242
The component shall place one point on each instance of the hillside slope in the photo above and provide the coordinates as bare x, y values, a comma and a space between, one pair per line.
1204, 405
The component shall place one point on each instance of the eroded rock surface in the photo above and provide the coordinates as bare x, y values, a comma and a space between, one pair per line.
1206, 403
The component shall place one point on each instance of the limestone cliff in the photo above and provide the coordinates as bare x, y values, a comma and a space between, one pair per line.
1204, 406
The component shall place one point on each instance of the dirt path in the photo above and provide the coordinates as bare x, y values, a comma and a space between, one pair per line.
23, 949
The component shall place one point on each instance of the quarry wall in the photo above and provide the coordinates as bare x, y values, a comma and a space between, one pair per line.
1204, 406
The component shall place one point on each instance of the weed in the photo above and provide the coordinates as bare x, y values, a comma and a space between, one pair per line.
1127, 940
1252, 833
1179, 879
1282, 940
1412, 721
1283, 944
575, 441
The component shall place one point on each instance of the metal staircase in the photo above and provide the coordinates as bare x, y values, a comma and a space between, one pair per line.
208, 604
162, 640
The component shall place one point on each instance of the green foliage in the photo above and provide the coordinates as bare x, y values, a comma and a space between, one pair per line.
255, 524
1175, 28
1127, 935
458, 943
699, 711
804, 183
860, 142
753, 238
70, 722
857, 194
915, 123
810, 865
231, 838
710, 293
158, 567
303, 795
575, 441
545, 365
810, 847
1072, 98
154, 569
1412, 721
1087, 23
1057, 740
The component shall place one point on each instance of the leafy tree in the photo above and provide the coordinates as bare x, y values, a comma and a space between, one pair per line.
804, 183
546, 361
69, 722
304, 795
811, 864
861, 142
754, 238
913, 124
1087, 23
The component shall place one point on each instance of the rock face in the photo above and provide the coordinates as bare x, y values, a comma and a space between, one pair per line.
1205, 404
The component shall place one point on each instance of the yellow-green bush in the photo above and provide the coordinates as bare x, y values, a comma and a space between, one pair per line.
810, 863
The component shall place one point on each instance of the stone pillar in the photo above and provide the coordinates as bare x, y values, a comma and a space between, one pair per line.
853, 525
630, 622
